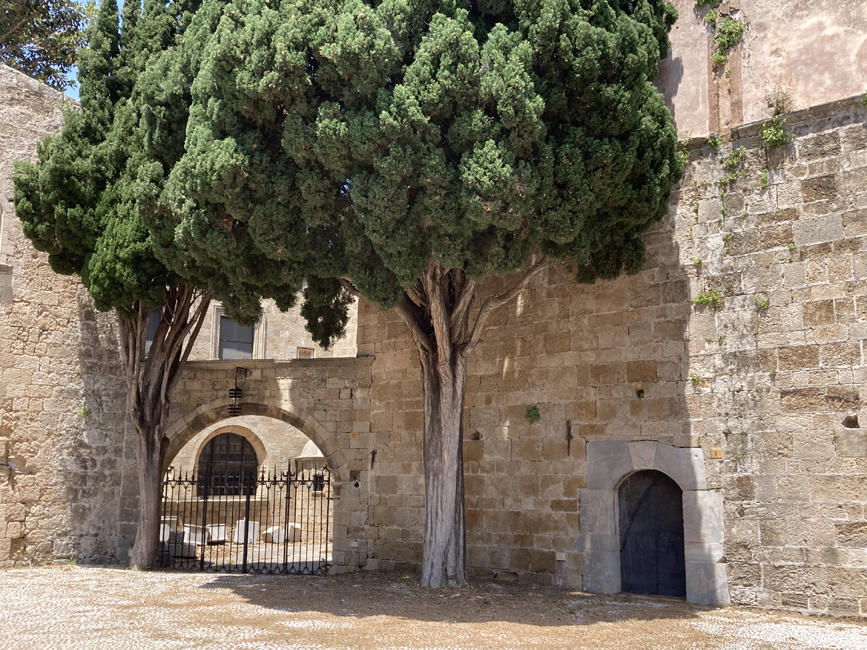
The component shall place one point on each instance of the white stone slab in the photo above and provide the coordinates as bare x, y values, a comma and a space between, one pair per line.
707, 583
684, 465
643, 454
279, 534
195, 535
601, 571
596, 508
703, 518
216, 533
607, 462
252, 532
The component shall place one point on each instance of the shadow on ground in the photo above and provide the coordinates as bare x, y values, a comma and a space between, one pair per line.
363, 595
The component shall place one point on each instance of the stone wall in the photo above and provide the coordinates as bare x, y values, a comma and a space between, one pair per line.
765, 384
61, 387
277, 335
813, 50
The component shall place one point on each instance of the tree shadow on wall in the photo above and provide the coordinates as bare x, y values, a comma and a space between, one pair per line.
91, 447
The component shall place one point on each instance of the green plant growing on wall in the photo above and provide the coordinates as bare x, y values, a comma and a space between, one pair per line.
715, 141
763, 182
733, 160
533, 415
729, 34
773, 134
697, 262
711, 16
763, 301
710, 299
82, 411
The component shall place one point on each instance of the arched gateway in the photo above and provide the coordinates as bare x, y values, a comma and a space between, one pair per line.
278, 521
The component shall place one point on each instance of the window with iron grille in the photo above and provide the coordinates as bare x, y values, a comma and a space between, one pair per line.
227, 467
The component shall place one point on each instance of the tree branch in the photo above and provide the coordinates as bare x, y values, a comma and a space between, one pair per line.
499, 300
409, 312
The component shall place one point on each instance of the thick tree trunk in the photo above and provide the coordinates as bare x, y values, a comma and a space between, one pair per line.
444, 560
437, 311
147, 542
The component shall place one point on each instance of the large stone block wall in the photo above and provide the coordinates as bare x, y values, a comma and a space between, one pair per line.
61, 388
767, 377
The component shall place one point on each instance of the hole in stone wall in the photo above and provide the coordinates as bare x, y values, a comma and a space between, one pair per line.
851, 422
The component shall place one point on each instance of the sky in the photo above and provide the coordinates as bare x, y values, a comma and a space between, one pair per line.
73, 90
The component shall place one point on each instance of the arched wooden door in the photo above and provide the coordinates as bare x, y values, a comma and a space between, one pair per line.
651, 535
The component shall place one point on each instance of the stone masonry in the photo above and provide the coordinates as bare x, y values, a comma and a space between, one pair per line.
743, 337
735, 363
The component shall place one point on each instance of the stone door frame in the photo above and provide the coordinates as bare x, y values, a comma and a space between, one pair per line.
608, 463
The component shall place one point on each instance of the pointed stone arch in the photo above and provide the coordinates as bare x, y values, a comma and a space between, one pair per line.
187, 427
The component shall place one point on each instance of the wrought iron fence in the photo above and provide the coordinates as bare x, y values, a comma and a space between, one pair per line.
274, 523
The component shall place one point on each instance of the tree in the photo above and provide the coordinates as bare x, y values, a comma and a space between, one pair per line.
79, 204
42, 37
422, 147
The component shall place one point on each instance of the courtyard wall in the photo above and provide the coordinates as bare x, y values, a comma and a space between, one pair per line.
770, 377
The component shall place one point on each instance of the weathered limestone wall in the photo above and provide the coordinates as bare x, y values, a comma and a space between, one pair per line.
274, 441
764, 379
61, 389
278, 335
817, 49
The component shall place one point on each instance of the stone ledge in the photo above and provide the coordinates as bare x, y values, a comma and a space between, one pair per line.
752, 129
330, 362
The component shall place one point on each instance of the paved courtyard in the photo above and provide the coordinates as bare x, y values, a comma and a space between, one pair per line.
76, 607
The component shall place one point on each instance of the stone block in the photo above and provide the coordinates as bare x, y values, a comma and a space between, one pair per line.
684, 465
607, 463
703, 521
641, 372
601, 572
707, 584
818, 230
597, 512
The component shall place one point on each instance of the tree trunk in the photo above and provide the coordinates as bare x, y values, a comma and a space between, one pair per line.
443, 388
151, 379
145, 550
436, 311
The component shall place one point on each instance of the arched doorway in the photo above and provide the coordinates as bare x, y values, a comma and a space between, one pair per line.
650, 520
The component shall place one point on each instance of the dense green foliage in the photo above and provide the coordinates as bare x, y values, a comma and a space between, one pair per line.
385, 134
42, 37
78, 203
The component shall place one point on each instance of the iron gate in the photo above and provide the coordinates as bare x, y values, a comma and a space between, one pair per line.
274, 523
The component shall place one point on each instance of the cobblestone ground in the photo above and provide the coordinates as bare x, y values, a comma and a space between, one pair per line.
74, 607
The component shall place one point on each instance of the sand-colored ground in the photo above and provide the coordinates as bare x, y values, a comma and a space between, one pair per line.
75, 607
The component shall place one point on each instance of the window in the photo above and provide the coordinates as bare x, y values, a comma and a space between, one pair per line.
153, 324
236, 341
305, 353
318, 482
227, 467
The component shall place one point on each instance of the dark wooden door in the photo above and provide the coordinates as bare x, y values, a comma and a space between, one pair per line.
651, 535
